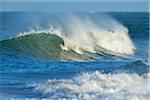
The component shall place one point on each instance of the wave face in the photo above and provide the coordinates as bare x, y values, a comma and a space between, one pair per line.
36, 45
77, 33
96, 85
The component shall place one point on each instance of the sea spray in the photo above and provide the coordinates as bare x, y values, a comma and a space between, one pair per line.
84, 35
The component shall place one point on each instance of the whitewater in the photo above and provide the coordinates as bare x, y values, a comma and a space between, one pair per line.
92, 86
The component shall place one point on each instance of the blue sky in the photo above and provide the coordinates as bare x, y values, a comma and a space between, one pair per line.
74, 5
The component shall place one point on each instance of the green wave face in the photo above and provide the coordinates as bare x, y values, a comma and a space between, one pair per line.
45, 46
42, 46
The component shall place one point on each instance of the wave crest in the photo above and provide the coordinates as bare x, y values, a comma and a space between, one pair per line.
89, 36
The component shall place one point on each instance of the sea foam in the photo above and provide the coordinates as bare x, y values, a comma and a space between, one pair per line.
96, 85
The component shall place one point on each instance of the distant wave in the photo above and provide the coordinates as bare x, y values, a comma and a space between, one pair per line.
139, 67
96, 85
78, 35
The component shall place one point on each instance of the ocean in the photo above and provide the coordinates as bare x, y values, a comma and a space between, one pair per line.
79, 56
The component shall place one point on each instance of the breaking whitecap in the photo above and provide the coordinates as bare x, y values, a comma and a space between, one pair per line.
96, 85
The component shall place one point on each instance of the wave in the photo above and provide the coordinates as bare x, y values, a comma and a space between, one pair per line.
131, 82
139, 67
97, 85
80, 35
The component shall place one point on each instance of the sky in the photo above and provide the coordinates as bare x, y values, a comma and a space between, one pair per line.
74, 5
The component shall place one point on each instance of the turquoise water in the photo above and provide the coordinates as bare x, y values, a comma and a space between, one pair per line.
63, 57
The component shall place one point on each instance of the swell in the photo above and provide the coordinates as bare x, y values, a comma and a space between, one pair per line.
139, 67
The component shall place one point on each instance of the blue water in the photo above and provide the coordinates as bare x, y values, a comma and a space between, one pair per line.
109, 77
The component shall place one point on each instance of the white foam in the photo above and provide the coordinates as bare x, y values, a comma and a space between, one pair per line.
96, 85
87, 35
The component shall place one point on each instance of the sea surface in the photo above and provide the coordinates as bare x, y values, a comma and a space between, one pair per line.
79, 56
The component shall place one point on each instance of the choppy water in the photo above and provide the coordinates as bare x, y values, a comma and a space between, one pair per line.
74, 55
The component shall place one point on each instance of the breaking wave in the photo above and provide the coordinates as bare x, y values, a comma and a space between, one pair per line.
79, 35
96, 85
128, 84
